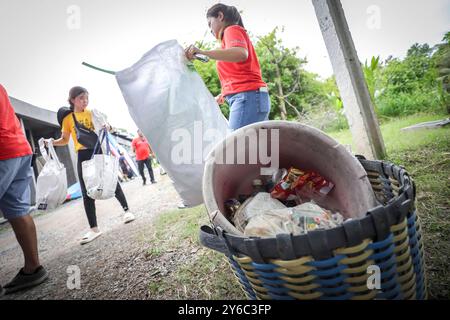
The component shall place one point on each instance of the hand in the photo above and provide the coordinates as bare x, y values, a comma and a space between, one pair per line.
220, 99
46, 141
107, 127
191, 51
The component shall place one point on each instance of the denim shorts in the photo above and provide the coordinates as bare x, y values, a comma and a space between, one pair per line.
15, 179
248, 107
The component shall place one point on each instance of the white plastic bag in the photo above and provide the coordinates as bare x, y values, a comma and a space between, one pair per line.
173, 108
51, 187
270, 223
257, 205
100, 174
99, 120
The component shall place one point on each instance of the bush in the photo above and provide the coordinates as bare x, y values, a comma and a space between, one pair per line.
404, 103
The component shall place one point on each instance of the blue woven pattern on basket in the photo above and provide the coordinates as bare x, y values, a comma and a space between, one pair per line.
343, 276
416, 246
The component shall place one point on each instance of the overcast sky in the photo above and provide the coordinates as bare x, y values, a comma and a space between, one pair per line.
42, 45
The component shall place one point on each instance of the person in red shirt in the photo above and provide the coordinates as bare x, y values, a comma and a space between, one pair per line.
142, 149
237, 66
15, 178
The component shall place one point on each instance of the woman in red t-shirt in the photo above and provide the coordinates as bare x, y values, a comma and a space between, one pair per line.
237, 66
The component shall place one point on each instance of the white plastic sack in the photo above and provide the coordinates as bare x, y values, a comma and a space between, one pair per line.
51, 187
173, 108
99, 120
100, 175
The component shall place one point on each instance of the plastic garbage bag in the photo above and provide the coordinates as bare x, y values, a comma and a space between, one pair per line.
51, 187
172, 106
100, 174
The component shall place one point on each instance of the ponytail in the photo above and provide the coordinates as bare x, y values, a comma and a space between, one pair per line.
231, 14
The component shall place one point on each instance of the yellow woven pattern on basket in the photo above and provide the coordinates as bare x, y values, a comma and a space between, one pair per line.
406, 276
301, 283
252, 277
297, 276
357, 264
294, 273
422, 257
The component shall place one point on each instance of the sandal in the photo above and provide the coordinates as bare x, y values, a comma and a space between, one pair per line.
91, 235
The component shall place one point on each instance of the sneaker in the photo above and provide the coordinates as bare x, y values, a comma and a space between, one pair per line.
24, 280
144, 182
128, 217
154, 181
183, 206
91, 235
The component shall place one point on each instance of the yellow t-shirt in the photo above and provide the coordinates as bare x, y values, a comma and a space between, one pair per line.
68, 125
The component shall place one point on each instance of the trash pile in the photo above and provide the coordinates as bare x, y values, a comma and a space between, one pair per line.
284, 203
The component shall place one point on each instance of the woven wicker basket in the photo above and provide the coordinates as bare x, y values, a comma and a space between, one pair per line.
335, 264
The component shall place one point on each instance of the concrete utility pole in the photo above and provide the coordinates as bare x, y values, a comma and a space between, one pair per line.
350, 79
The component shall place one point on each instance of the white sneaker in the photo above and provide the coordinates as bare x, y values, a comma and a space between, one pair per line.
91, 235
128, 217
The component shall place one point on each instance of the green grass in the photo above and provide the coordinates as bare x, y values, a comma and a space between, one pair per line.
395, 139
426, 156
191, 272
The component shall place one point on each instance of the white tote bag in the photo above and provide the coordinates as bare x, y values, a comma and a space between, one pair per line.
51, 188
174, 109
100, 174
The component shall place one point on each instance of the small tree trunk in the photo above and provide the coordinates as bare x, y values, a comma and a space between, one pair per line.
280, 93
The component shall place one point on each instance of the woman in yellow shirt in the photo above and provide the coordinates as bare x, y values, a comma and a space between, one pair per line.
79, 100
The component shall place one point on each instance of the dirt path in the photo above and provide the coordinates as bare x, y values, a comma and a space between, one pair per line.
114, 266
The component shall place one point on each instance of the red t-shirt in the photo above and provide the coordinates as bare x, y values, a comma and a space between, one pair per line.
142, 148
239, 76
13, 143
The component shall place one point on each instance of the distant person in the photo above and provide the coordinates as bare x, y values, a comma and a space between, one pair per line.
79, 100
237, 66
142, 149
126, 170
15, 178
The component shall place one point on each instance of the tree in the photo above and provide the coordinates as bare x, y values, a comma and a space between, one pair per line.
442, 57
370, 74
281, 69
408, 85
295, 93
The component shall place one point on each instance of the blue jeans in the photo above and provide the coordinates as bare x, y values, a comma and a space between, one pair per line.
15, 178
248, 107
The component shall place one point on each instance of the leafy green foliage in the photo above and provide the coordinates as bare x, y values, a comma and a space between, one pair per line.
418, 83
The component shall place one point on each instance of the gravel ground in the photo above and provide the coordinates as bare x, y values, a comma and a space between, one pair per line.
114, 266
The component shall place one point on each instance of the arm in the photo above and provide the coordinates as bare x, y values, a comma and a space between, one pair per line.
234, 54
64, 140
150, 150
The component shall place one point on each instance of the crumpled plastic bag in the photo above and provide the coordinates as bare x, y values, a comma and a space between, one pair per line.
254, 206
309, 216
296, 221
271, 223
